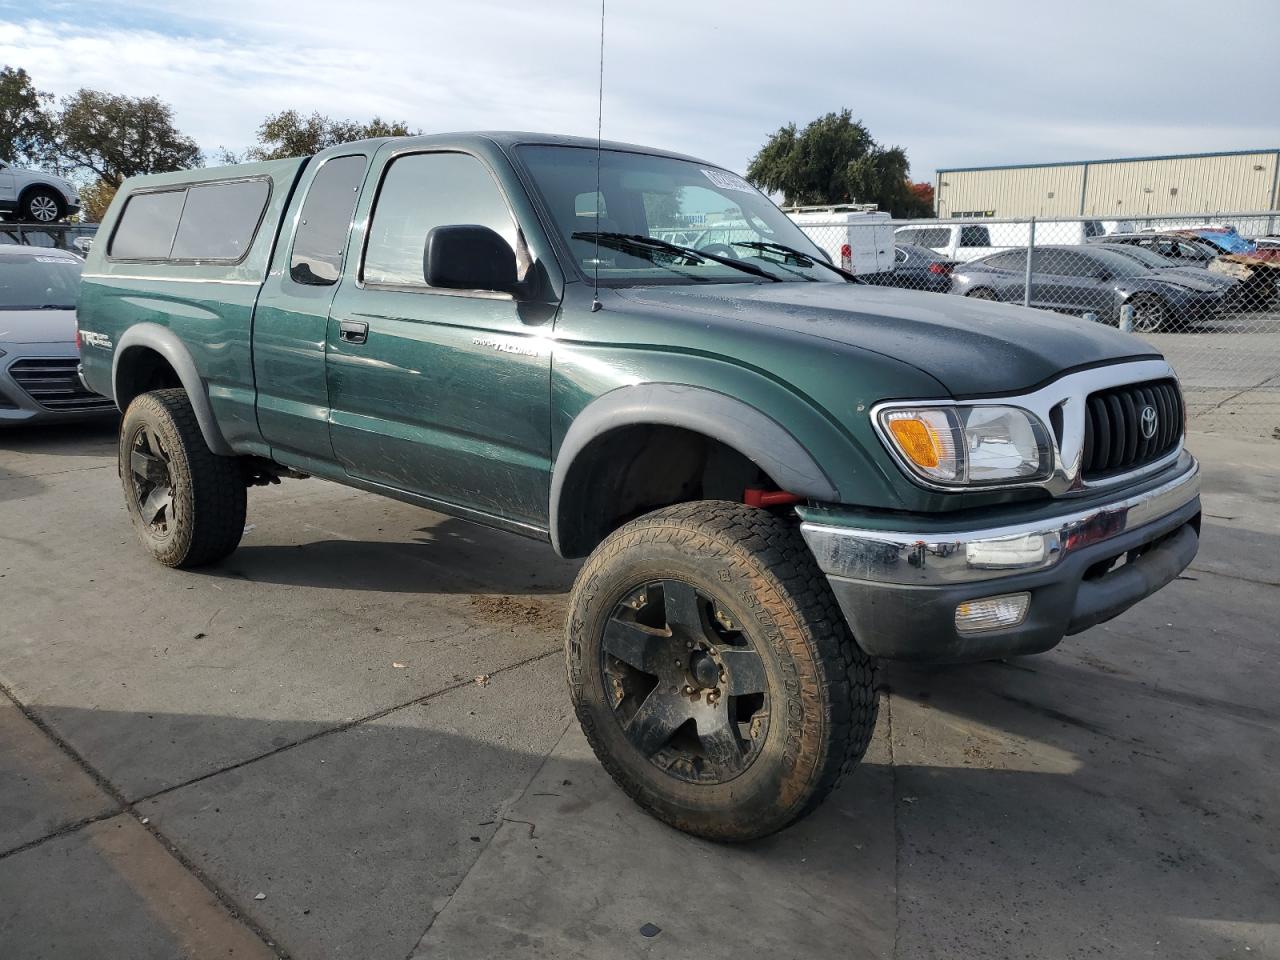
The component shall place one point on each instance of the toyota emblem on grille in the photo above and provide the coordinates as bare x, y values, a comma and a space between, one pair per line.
1149, 422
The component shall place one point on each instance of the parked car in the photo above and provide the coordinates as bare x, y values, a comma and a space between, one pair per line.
916, 268
1224, 239
38, 355
1256, 267
968, 241
776, 472
1083, 279
1233, 290
34, 196
1173, 246
956, 241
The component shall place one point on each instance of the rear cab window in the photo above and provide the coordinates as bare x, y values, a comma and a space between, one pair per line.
325, 221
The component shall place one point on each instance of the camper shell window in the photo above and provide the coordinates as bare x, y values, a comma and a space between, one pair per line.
147, 226
207, 223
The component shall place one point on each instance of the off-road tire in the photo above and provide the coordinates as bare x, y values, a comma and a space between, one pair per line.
208, 491
821, 686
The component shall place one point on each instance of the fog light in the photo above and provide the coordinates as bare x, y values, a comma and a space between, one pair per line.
992, 613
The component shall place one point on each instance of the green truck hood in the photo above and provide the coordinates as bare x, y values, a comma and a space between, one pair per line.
971, 347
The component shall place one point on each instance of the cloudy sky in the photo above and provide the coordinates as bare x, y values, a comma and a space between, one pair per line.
955, 83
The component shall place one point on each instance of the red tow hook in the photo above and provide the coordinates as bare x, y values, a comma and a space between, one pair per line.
754, 497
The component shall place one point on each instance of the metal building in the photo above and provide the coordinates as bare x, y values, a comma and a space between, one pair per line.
1240, 181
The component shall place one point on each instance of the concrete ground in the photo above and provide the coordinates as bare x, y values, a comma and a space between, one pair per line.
352, 740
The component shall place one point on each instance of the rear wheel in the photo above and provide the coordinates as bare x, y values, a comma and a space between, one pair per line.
982, 293
41, 205
186, 502
713, 673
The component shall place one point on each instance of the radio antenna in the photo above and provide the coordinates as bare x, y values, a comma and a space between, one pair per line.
595, 262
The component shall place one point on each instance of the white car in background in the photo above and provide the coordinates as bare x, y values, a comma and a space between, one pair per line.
31, 196
968, 241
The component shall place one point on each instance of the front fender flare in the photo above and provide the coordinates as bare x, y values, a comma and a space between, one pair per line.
719, 416
170, 346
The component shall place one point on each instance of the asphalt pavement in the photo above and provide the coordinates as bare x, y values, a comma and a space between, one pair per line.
351, 739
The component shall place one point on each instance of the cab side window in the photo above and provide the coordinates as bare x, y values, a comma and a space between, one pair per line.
425, 190
326, 221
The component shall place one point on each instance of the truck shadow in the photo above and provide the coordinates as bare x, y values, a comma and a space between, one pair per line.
450, 556
87, 438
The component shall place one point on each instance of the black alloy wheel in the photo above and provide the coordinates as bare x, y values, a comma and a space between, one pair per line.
151, 473
687, 687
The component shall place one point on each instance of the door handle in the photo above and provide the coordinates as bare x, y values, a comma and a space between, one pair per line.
353, 331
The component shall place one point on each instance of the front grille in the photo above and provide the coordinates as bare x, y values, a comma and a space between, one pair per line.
1114, 440
52, 382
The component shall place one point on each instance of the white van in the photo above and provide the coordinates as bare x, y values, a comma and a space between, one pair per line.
856, 238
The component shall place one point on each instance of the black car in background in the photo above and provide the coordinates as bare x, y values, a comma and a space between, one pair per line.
1183, 250
916, 268
1085, 279
1232, 288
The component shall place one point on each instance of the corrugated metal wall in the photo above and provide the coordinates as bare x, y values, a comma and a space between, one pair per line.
1204, 183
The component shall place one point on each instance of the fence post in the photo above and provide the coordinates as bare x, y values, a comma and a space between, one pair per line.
1126, 318
1026, 281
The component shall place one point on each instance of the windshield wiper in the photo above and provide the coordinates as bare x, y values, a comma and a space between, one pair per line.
802, 259
634, 241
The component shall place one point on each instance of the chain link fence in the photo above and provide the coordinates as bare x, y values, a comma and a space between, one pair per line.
1204, 289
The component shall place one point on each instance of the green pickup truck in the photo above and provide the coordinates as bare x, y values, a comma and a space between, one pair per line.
778, 475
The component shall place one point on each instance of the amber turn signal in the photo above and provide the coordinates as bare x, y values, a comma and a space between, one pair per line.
918, 440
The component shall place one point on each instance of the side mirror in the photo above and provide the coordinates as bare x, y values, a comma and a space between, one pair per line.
469, 257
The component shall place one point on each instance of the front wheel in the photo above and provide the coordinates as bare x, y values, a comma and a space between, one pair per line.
982, 293
186, 502
713, 673
1149, 313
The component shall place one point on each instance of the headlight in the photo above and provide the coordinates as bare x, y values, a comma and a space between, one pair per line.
968, 446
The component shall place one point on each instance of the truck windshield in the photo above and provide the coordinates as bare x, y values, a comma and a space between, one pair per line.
38, 282
681, 202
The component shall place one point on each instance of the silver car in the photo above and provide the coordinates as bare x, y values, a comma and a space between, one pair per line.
38, 354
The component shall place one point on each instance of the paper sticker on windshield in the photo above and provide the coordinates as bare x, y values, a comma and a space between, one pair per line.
728, 181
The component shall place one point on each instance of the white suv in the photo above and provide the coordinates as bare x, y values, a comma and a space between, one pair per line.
35, 197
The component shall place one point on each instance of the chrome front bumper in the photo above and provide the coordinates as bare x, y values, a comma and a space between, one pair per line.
900, 589
987, 553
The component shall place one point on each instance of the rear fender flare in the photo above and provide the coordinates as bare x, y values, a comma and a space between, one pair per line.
170, 346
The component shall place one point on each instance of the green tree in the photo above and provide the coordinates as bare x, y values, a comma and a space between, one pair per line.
26, 120
95, 199
113, 137
290, 134
834, 159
